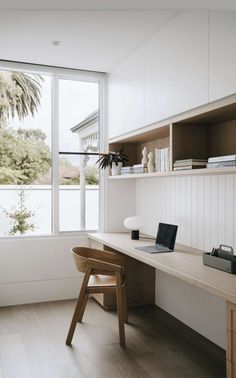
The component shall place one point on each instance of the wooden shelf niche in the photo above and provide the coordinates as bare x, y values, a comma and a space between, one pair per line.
200, 133
133, 145
203, 140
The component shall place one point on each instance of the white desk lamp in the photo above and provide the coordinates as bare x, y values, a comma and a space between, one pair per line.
134, 224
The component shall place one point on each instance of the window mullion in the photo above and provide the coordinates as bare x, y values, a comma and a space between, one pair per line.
55, 154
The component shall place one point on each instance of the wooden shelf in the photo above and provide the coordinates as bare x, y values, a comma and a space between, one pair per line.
199, 172
201, 133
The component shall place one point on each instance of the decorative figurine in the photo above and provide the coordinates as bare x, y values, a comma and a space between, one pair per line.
144, 159
150, 165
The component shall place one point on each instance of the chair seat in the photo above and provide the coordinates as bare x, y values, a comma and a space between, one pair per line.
100, 281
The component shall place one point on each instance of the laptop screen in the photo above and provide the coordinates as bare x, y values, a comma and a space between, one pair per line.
166, 235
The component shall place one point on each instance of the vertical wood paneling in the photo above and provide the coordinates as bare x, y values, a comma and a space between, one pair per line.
200, 211
229, 209
214, 210
194, 208
207, 214
234, 214
221, 210
188, 223
183, 207
204, 207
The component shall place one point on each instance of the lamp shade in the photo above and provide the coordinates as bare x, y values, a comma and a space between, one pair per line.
133, 223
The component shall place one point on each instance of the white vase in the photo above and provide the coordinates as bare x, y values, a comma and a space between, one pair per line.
115, 170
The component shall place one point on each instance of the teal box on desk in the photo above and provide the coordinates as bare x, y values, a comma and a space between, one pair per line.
220, 263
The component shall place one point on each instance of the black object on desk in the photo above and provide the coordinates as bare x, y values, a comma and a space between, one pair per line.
221, 258
165, 240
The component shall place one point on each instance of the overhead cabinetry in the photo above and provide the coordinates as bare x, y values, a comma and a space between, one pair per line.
166, 76
222, 54
201, 133
126, 95
176, 67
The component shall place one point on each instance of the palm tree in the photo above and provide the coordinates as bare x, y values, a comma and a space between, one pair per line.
20, 94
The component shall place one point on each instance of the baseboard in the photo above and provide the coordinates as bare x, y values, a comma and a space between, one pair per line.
39, 291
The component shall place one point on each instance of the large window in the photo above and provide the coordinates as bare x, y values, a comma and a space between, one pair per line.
49, 144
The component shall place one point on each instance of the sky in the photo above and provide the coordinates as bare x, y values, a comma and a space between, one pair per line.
77, 100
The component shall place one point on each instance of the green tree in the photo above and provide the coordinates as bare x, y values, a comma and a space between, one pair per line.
24, 156
91, 175
20, 216
20, 95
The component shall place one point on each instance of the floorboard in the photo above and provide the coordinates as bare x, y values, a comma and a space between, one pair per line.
32, 344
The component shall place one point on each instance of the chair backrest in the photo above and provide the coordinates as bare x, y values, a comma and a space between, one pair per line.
81, 255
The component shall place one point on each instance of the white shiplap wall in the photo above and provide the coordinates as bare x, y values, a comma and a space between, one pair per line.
204, 208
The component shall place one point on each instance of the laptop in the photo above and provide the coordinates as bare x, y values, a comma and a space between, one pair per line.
165, 240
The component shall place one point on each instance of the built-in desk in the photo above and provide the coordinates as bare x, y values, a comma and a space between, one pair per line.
186, 264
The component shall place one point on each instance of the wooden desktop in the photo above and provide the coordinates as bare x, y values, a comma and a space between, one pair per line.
184, 263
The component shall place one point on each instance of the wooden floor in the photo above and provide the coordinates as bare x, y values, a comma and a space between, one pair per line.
32, 344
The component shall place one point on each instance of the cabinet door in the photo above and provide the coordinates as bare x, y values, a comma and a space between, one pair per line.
176, 67
126, 95
222, 54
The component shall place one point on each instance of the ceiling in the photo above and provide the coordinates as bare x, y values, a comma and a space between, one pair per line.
96, 41
116, 4
94, 35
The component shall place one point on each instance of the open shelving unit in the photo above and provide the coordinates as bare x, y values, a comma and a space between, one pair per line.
207, 131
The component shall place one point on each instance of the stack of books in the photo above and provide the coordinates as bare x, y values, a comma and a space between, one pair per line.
162, 159
139, 168
222, 161
126, 170
184, 164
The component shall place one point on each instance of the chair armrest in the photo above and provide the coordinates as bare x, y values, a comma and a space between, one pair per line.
104, 266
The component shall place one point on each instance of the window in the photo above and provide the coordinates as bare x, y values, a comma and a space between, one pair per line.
78, 174
49, 144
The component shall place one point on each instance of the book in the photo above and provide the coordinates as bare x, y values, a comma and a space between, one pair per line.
194, 163
138, 166
126, 169
190, 161
217, 159
221, 164
139, 170
162, 159
188, 167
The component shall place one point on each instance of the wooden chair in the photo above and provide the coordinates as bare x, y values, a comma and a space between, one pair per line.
104, 273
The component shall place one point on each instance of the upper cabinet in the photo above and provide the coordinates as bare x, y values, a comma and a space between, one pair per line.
166, 76
189, 62
126, 95
222, 54
176, 67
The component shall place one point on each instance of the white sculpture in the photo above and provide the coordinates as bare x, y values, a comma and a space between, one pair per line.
150, 164
144, 159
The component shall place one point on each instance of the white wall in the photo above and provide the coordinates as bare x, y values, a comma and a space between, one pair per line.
38, 269
121, 203
189, 62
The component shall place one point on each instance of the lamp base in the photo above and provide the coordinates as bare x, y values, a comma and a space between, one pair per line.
135, 234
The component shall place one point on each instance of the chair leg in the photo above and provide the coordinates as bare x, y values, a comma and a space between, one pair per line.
81, 313
125, 303
120, 309
78, 308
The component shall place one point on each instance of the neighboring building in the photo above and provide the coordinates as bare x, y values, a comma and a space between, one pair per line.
88, 132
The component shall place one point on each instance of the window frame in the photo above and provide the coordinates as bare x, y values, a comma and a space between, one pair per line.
56, 74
